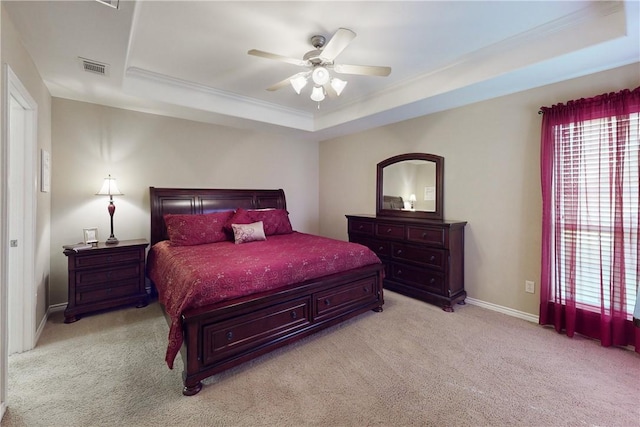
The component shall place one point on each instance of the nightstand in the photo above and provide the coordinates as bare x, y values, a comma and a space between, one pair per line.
106, 276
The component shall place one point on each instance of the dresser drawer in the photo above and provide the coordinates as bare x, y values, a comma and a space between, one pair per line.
429, 235
103, 293
108, 258
361, 227
102, 275
393, 231
419, 277
226, 339
435, 258
344, 298
381, 248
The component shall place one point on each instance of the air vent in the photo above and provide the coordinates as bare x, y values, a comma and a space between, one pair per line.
95, 67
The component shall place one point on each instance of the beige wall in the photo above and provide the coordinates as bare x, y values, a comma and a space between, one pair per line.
492, 179
14, 54
142, 150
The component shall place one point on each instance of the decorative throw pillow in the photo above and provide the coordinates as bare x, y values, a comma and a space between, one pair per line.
276, 221
197, 229
245, 233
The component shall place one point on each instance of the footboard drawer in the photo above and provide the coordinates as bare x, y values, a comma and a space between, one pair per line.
243, 333
345, 298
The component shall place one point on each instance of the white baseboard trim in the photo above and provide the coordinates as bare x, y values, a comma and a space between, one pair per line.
504, 310
57, 307
51, 309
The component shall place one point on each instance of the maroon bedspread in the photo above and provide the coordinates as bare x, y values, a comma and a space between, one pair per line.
194, 276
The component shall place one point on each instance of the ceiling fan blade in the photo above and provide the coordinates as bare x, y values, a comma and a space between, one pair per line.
287, 81
364, 70
330, 91
337, 44
277, 57
280, 84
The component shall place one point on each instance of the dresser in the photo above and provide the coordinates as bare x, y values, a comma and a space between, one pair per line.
423, 258
106, 276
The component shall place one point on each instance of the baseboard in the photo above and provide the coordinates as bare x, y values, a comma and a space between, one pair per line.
57, 307
505, 310
51, 309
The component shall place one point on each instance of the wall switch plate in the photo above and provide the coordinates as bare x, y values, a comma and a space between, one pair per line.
529, 286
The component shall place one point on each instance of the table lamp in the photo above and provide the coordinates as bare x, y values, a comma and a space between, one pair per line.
109, 188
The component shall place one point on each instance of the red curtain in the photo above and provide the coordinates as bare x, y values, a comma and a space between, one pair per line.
590, 221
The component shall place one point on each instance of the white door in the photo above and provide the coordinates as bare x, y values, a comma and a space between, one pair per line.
16, 208
20, 211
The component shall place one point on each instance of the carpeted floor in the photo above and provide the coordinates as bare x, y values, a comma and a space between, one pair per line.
411, 365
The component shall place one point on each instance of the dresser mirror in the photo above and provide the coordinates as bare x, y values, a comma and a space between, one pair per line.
410, 185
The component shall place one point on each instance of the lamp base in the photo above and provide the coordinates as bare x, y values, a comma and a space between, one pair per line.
111, 241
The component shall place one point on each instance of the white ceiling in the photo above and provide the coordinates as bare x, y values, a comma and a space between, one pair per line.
189, 58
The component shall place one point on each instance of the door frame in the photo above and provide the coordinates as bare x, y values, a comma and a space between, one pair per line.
14, 88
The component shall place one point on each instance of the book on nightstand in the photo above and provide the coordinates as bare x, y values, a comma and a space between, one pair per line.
78, 246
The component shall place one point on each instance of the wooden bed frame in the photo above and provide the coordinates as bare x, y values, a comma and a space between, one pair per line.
226, 334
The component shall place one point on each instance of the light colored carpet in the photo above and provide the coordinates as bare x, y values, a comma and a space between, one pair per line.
412, 364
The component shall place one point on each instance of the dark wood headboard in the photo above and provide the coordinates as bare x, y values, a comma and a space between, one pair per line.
202, 200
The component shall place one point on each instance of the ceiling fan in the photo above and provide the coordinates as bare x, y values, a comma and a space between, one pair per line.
320, 61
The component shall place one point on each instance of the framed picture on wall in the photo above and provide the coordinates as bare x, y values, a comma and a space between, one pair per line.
90, 235
45, 171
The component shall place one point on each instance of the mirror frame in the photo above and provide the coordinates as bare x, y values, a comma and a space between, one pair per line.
437, 214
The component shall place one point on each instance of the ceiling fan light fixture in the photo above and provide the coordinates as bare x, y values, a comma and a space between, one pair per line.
298, 83
338, 85
320, 76
317, 94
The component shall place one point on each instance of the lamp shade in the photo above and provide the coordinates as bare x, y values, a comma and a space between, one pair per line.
109, 188
317, 94
320, 76
298, 83
338, 85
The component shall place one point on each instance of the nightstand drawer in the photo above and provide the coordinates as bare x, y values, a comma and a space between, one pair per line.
107, 259
107, 292
90, 277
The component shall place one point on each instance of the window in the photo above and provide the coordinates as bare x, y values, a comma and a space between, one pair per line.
590, 179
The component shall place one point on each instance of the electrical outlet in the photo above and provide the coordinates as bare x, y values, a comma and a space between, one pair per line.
530, 286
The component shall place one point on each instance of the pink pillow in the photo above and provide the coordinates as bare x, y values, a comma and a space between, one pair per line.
276, 221
245, 233
198, 229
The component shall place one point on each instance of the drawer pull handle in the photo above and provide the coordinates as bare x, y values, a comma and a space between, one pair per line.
424, 235
327, 302
229, 336
366, 290
294, 315
433, 258
388, 230
381, 248
399, 272
432, 281
360, 227
399, 251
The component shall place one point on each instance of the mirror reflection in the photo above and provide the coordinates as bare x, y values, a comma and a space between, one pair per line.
410, 185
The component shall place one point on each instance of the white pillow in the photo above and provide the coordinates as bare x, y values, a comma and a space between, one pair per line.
244, 233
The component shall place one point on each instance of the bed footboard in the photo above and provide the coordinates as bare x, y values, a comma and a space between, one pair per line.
224, 336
